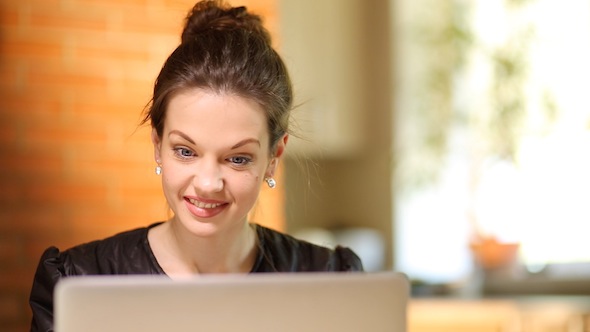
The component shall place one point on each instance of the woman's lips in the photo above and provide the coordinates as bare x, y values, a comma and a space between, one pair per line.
204, 208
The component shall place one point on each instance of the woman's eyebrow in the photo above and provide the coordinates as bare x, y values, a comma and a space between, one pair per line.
245, 141
235, 146
181, 134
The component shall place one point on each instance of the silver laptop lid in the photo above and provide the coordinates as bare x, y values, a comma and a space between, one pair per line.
253, 302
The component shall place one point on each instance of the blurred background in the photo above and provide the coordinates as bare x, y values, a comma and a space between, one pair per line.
447, 139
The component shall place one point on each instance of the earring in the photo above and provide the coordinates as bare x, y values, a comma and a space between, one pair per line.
270, 182
158, 170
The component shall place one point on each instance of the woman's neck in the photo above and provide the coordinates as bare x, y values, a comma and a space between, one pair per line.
181, 253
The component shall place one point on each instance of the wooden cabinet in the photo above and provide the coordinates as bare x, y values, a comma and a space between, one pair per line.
338, 171
323, 45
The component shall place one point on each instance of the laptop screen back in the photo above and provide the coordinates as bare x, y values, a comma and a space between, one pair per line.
254, 302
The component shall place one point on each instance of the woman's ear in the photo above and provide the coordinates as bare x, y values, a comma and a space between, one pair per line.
277, 154
157, 146
281, 145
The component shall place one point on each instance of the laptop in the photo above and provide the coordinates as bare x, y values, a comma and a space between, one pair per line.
254, 302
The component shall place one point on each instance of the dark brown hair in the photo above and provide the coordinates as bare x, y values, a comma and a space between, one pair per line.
225, 50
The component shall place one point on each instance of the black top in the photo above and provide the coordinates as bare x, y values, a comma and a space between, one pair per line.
130, 253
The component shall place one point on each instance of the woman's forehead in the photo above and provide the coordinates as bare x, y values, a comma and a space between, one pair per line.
222, 116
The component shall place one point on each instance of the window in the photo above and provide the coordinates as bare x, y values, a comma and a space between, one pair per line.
493, 132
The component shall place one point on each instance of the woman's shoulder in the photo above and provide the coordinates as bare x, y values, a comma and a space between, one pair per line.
282, 252
121, 253
124, 253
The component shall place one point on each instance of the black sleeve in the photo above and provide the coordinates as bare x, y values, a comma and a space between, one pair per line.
49, 271
349, 261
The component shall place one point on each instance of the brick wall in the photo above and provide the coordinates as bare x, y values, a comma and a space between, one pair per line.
74, 166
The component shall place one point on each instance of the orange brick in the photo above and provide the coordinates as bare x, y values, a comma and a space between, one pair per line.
125, 111
160, 22
143, 195
26, 32
95, 223
117, 3
8, 134
9, 16
16, 279
178, 4
20, 326
58, 137
109, 54
13, 77
31, 218
60, 94
23, 48
9, 307
65, 79
11, 192
16, 107
80, 194
32, 165
108, 168
41, 17
11, 249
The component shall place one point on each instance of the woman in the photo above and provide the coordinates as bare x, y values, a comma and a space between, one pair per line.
219, 117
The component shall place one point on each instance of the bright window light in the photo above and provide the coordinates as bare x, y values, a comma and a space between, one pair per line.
540, 197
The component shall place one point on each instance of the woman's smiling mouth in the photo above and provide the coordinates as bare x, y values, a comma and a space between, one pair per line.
204, 205
202, 208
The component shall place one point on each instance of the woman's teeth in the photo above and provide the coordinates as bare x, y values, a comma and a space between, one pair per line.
204, 205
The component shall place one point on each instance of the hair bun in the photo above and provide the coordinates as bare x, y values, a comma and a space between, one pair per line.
215, 15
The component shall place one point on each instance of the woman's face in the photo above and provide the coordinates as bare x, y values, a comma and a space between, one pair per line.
214, 153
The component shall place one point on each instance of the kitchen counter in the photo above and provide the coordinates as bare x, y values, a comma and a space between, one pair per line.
499, 314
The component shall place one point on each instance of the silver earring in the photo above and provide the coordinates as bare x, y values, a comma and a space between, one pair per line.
158, 170
270, 182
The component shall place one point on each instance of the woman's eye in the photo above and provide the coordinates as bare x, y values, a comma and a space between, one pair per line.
183, 152
240, 160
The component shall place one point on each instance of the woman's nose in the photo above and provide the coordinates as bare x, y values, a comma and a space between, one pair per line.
208, 177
